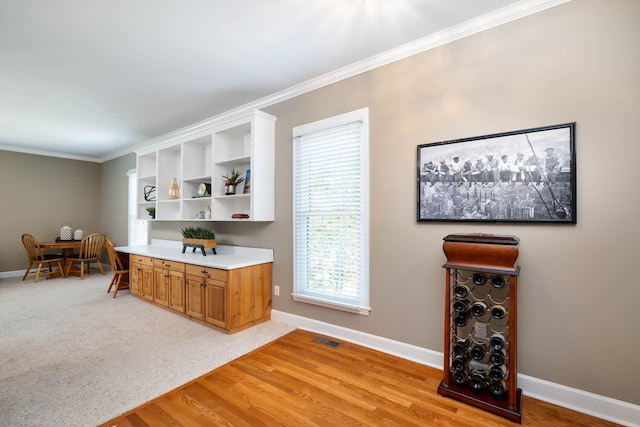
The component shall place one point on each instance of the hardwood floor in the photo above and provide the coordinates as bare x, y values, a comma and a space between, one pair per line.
295, 381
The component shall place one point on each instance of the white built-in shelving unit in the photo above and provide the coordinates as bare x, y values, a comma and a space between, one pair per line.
245, 143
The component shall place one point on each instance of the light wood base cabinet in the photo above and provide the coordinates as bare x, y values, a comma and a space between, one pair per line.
141, 275
168, 284
230, 300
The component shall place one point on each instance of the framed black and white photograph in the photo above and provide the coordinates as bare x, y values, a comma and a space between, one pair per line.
520, 176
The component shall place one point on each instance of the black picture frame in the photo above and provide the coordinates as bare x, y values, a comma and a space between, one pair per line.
523, 176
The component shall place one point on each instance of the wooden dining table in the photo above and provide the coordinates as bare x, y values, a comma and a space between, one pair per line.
67, 248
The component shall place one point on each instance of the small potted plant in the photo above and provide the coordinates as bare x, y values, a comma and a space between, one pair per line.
231, 181
199, 237
152, 212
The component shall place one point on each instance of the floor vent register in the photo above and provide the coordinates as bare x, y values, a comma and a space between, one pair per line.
327, 342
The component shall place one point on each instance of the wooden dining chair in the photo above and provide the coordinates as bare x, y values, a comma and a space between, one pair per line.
91, 248
120, 271
34, 252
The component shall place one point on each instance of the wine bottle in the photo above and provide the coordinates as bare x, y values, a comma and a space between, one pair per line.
478, 279
496, 358
497, 342
478, 308
460, 376
498, 388
477, 352
498, 282
498, 312
460, 291
497, 373
461, 346
461, 318
459, 362
461, 305
478, 380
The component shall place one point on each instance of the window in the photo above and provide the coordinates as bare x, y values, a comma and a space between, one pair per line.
138, 228
331, 212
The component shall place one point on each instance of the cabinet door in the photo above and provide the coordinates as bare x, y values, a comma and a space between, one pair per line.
146, 284
215, 304
195, 286
176, 291
161, 286
249, 295
135, 274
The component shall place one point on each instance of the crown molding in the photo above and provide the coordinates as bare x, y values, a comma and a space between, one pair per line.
17, 149
473, 26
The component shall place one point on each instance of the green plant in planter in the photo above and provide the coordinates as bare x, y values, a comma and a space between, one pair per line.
198, 233
233, 178
152, 212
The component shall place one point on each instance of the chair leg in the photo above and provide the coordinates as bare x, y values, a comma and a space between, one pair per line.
38, 272
117, 285
81, 270
27, 272
100, 267
113, 281
61, 270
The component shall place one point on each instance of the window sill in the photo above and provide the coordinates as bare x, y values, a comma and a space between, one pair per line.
331, 304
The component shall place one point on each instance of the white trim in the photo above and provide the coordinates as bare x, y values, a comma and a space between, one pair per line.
473, 26
17, 149
481, 23
354, 304
14, 273
336, 305
20, 273
596, 405
396, 348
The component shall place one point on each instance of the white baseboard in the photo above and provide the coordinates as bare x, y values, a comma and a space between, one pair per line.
20, 273
596, 405
7, 274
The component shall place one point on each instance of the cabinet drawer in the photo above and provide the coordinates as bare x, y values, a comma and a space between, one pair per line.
170, 265
139, 259
211, 273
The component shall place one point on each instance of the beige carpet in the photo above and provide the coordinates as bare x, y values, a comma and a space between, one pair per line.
71, 355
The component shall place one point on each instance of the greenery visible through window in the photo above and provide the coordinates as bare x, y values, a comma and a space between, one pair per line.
331, 210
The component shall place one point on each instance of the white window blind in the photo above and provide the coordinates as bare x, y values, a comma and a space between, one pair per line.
137, 228
331, 211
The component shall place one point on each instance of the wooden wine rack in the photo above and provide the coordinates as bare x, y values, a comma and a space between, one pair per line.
481, 269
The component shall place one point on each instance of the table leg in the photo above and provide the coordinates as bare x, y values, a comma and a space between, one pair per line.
66, 252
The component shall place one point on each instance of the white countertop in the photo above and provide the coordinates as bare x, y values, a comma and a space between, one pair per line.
227, 257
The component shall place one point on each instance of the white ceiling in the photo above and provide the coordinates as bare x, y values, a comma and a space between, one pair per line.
90, 78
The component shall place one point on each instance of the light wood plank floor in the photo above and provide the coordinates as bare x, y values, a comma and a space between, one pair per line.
297, 382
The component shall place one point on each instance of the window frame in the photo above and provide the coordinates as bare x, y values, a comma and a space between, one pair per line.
301, 293
137, 229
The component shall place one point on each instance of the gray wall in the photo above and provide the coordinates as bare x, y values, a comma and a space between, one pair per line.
114, 198
39, 194
577, 298
576, 62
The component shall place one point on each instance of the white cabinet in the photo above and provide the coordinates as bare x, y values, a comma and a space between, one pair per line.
198, 160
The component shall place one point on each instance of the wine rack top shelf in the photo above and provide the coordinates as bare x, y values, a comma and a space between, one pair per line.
491, 239
482, 252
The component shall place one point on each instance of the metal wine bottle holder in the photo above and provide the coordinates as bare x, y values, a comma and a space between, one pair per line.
480, 323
